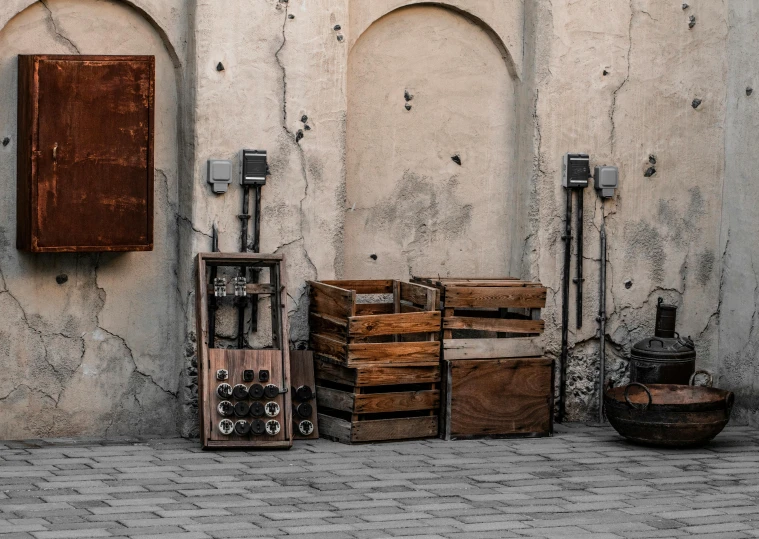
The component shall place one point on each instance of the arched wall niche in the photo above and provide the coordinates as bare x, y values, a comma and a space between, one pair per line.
502, 20
158, 13
430, 85
98, 352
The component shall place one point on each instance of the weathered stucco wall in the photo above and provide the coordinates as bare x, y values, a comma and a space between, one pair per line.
89, 342
739, 298
509, 86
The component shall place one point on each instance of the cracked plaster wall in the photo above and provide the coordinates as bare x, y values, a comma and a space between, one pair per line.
738, 338
89, 342
113, 348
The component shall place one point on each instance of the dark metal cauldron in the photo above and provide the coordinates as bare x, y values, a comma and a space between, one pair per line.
665, 358
668, 415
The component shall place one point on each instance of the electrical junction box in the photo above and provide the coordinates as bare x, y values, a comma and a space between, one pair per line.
606, 180
575, 170
254, 167
219, 175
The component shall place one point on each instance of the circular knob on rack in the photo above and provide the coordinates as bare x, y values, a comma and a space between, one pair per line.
272, 409
305, 427
304, 409
271, 391
257, 409
222, 374
304, 393
242, 428
256, 391
272, 427
242, 409
257, 427
225, 409
226, 427
224, 391
240, 392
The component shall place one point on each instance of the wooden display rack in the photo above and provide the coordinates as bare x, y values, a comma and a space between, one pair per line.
495, 381
377, 362
275, 360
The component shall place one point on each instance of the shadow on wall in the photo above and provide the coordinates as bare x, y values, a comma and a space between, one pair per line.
432, 148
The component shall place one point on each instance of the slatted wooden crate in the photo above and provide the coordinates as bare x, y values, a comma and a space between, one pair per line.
377, 403
495, 380
355, 323
377, 354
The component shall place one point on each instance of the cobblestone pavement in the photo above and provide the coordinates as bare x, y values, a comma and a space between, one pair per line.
585, 482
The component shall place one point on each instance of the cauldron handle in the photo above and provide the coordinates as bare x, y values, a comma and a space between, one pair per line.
710, 379
632, 404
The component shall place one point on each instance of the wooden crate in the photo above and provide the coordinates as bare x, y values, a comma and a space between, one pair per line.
377, 403
495, 381
497, 398
355, 323
500, 316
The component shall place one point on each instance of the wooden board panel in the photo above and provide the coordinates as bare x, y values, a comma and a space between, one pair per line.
421, 295
364, 287
235, 362
494, 324
395, 429
416, 353
378, 430
326, 299
364, 309
369, 326
329, 326
375, 403
522, 297
499, 397
91, 164
492, 348
333, 348
375, 375
302, 374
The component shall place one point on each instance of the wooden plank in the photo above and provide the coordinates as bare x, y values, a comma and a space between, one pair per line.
335, 399
403, 401
331, 372
364, 287
388, 376
534, 297
395, 429
326, 299
391, 324
334, 428
395, 353
329, 326
492, 348
495, 324
500, 397
414, 293
251, 288
321, 344
365, 309
302, 374
405, 308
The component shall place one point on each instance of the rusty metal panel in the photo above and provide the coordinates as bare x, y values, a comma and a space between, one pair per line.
89, 161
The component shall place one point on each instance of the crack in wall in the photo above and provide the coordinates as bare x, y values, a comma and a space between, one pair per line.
624, 82
58, 34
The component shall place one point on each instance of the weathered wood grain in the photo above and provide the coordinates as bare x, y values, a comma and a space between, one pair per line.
495, 297
326, 299
492, 348
494, 324
369, 326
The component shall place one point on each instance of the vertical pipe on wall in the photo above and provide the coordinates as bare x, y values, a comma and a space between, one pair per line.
579, 280
565, 308
602, 323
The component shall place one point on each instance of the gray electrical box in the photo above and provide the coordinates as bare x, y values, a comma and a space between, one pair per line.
575, 171
606, 180
219, 175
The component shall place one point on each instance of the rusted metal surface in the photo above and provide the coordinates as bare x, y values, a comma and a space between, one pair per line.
86, 162
668, 414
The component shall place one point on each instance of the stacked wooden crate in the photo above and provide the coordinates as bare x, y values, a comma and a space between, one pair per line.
377, 353
496, 381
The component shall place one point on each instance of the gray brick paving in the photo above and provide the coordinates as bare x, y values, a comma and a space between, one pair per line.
585, 482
